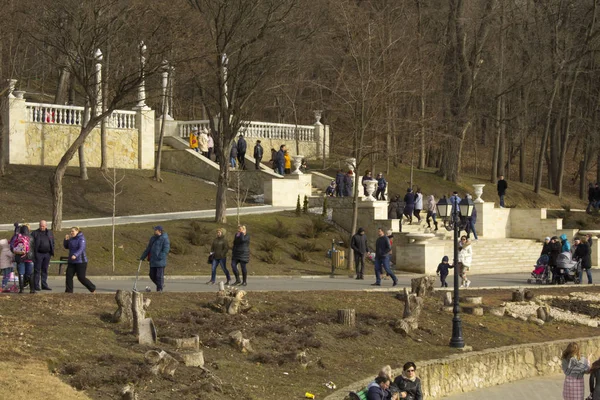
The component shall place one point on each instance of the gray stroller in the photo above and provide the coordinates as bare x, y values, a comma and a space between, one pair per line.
567, 269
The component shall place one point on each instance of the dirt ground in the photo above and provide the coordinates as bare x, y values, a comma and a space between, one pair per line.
73, 337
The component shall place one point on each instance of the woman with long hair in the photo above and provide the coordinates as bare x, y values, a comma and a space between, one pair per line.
574, 367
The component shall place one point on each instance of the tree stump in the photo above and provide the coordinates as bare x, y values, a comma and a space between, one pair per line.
406, 325
543, 313
412, 305
138, 308
186, 343
128, 393
497, 311
537, 321
232, 301
237, 339
473, 310
448, 299
147, 332
473, 300
221, 286
529, 295
124, 313
160, 362
422, 286
347, 317
518, 295
192, 358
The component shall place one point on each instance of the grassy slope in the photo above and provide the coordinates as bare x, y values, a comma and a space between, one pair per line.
189, 259
518, 195
25, 194
57, 330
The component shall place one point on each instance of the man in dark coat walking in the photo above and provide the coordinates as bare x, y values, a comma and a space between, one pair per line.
44, 251
501, 186
240, 254
280, 160
361, 248
241, 151
258, 154
156, 252
339, 184
383, 250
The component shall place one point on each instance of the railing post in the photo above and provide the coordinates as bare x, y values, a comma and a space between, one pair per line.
15, 122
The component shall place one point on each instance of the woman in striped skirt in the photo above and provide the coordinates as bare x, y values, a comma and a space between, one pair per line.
574, 366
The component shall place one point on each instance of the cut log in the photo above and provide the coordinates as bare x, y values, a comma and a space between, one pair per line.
191, 358
518, 295
412, 305
543, 313
186, 343
473, 310
347, 317
448, 299
406, 325
147, 332
537, 321
128, 393
473, 300
124, 313
497, 311
160, 362
237, 339
423, 286
221, 286
231, 300
138, 308
529, 295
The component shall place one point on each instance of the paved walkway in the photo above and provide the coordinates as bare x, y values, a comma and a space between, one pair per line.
540, 388
151, 218
281, 283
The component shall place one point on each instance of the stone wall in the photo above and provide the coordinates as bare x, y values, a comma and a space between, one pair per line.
466, 372
284, 192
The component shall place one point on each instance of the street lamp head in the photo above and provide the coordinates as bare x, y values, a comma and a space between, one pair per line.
444, 208
466, 207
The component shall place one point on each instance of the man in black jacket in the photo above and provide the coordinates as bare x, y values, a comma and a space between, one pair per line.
258, 154
502, 186
280, 160
360, 247
383, 250
241, 151
44, 251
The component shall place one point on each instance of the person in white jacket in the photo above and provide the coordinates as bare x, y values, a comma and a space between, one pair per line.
418, 204
465, 258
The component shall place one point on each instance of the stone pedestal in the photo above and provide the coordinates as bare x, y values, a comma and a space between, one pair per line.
171, 129
420, 256
144, 120
284, 192
14, 135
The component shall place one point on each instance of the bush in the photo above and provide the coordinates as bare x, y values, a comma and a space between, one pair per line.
308, 247
300, 255
269, 245
305, 205
314, 228
198, 234
281, 230
179, 247
298, 209
270, 257
566, 207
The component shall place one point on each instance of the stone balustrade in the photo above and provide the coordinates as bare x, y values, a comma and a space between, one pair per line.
74, 115
257, 130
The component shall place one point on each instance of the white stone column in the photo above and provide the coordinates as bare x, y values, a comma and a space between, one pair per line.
142, 87
98, 100
144, 120
15, 120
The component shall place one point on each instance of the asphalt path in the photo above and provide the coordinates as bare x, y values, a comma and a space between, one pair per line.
152, 218
280, 283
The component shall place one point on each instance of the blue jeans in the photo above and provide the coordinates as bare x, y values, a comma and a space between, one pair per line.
5, 276
385, 263
280, 169
157, 275
215, 263
471, 228
501, 200
588, 272
232, 162
25, 268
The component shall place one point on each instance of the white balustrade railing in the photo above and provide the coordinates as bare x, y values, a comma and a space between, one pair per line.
187, 127
74, 115
264, 130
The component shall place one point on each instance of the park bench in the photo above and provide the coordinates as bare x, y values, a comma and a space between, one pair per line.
361, 395
61, 262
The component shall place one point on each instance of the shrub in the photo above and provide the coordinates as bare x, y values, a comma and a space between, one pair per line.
270, 257
566, 207
179, 246
305, 205
298, 209
309, 247
281, 230
314, 228
300, 255
198, 233
269, 245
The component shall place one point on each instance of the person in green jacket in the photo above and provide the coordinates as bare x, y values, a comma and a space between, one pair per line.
219, 250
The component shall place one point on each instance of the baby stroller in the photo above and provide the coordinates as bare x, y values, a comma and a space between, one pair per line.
541, 272
566, 270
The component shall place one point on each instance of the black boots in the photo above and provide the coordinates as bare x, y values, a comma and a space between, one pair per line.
237, 279
244, 276
20, 283
31, 284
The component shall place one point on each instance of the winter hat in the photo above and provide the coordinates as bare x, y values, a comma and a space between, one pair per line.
563, 237
445, 259
547, 238
389, 233
361, 230
158, 228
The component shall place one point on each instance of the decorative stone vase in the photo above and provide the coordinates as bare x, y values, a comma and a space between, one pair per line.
370, 187
350, 163
19, 94
318, 116
11, 87
297, 160
478, 190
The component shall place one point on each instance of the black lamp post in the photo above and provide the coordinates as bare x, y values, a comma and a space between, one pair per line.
448, 211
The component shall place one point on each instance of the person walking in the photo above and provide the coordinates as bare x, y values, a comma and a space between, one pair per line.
442, 271
219, 250
381, 187
258, 154
366, 177
565, 245
501, 186
574, 367
594, 380
471, 221
6, 263
583, 253
409, 205
280, 160
465, 258
211, 145
361, 248
339, 184
241, 151
44, 251
233, 155
23, 249
156, 253
431, 212
287, 163
203, 142
240, 254
348, 184
77, 264
418, 204
591, 198
194, 140
383, 249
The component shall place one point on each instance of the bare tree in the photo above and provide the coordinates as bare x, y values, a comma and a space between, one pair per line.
114, 181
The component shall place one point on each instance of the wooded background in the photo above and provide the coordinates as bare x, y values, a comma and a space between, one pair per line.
486, 87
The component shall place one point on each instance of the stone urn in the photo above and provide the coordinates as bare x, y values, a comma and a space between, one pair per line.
318, 116
11, 87
478, 190
370, 188
19, 94
297, 161
351, 163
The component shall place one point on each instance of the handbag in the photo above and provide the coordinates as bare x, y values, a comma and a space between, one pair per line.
211, 258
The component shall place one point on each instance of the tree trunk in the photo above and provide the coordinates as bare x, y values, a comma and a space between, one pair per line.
61, 96
565, 134
221, 206
544, 144
161, 137
82, 167
497, 158
346, 317
103, 133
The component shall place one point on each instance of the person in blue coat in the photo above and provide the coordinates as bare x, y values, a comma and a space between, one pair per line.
156, 252
77, 264
566, 246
